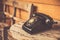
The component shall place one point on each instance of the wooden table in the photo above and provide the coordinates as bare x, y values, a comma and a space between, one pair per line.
19, 34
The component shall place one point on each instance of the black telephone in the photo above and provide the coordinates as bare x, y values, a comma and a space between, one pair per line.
37, 23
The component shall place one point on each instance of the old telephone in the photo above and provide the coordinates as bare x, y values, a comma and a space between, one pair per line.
37, 23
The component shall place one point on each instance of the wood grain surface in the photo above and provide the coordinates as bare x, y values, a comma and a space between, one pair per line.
19, 34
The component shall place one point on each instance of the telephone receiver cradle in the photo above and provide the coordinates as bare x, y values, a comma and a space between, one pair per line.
38, 22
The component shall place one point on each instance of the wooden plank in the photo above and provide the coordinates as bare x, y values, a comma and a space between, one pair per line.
11, 9
18, 4
15, 18
18, 13
50, 2
25, 15
51, 10
7, 14
24, 6
9, 2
